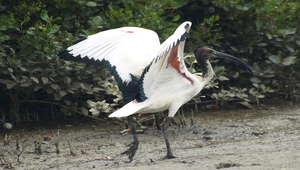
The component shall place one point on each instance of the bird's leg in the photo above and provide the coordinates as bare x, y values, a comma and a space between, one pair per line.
165, 132
134, 145
156, 121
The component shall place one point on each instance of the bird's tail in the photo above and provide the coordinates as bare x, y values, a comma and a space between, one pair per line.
127, 110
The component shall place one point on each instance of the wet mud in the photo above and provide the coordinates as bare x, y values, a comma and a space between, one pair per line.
255, 139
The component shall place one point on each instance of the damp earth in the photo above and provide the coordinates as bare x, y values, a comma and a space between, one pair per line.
258, 139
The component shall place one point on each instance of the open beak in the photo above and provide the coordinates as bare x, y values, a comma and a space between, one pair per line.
216, 54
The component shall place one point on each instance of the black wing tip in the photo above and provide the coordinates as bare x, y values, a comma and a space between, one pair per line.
187, 26
62, 53
184, 36
79, 40
65, 55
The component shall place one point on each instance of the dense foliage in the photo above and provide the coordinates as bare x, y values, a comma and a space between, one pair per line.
36, 85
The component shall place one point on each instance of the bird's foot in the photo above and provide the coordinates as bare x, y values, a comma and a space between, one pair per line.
168, 156
132, 150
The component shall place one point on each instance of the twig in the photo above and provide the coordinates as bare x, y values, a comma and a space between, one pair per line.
196, 107
38, 146
182, 113
180, 119
6, 140
71, 148
23, 149
18, 143
192, 117
56, 141
157, 122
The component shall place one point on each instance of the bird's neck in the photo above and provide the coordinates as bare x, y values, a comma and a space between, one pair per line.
207, 71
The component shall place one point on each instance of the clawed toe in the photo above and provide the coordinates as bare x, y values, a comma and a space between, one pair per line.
132, 150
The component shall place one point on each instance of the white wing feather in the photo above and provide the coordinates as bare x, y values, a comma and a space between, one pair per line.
159, 72
129, 49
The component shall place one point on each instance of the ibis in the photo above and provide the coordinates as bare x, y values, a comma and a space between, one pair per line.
152, 76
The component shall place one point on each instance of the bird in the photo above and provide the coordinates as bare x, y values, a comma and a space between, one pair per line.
151, 75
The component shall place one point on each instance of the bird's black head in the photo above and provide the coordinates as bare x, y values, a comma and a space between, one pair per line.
203, 54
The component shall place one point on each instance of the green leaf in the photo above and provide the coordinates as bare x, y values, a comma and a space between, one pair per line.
14, 77
91, 4
262, 44
241, 8
53, 30
97, 21
62, 93
49, 90
54, 86
26, 19
275, 59
289, 60
44, 15
223, 78
34, 79
290, 31
10, 70
97, 89
26, 84
258, 24
176, 4
37, 88
176, 18
255, 80
269, 36
83, 110
278, 2
68, 25
290, 49
45, 80
10, 86
246, 104
23, 68
67, 80
261, 96
6, 81
68, 102
57, 96
250, 4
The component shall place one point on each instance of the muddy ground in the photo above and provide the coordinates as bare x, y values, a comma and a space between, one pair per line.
256, 139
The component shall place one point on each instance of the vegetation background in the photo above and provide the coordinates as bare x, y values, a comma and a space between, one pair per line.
36, 86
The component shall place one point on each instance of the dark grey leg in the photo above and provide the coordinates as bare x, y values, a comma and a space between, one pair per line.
165, 132
156, 121
135, 144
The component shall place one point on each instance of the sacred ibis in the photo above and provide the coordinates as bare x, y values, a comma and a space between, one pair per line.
152, 76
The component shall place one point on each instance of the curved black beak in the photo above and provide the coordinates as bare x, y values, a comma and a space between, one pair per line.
216, 54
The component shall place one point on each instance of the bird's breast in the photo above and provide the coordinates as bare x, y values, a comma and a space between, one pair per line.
162, 101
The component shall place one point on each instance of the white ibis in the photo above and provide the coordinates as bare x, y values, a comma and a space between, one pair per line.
152, 76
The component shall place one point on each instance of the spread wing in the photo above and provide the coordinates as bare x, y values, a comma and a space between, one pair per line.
167, 68
125, 51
